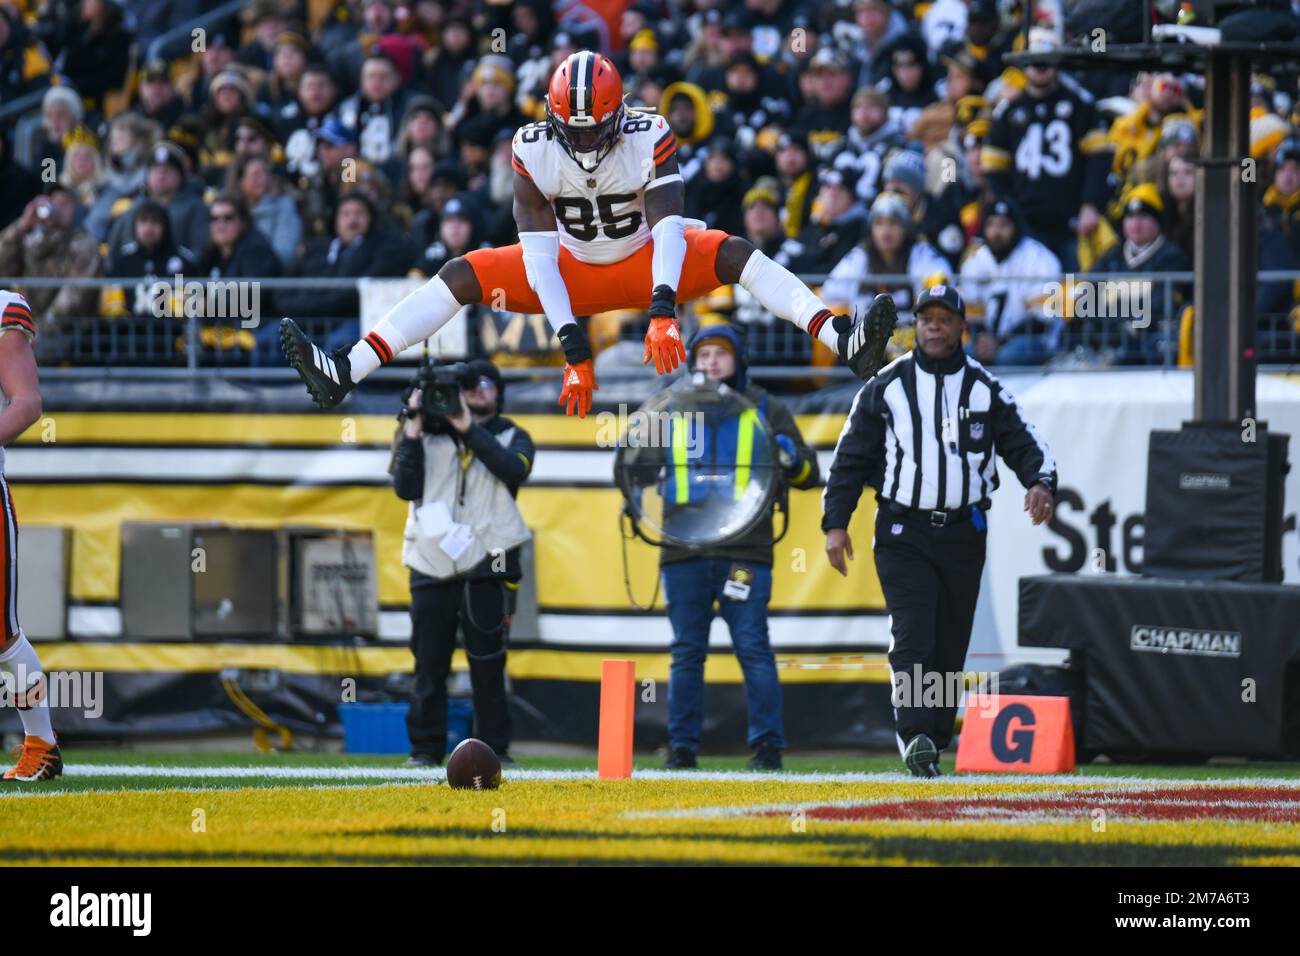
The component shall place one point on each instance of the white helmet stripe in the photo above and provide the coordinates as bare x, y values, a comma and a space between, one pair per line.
582, 90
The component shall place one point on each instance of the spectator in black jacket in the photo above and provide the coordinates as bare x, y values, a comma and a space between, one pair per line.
96, 58
441, 239
910, 84
837, 223
268, 23
238, 250
151, 252
1146, 330
143, 312
825, 118
358, 248
61, 113
21, 185
23, 68
157, 97
447, 66
714, 194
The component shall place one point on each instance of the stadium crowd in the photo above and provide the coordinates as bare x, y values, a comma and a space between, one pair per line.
884, 146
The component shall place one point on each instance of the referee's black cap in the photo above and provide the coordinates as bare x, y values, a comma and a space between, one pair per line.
944, 295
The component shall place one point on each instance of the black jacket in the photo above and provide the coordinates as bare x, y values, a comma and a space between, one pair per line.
510, 464
252, 257
376, 255
953, 405
96, 64
130, 260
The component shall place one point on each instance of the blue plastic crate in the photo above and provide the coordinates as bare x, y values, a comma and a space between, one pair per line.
381, 728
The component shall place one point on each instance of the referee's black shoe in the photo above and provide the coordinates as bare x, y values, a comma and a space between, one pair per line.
922, 757
328, 377
862, 345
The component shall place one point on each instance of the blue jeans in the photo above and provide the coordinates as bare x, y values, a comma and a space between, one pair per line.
690, 588
1023, 350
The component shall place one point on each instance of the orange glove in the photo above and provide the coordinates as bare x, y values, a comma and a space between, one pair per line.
579, 383
663, 343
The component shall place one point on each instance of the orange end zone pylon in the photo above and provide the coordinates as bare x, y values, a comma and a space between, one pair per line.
617, 710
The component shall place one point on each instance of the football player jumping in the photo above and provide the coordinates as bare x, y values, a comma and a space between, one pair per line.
20, 395
598, 201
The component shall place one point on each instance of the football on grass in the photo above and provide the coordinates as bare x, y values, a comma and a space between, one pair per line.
473, 765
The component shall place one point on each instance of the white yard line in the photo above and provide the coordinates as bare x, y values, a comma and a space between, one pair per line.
395, 774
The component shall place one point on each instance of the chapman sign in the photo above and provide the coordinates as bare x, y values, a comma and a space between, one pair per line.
1185, 640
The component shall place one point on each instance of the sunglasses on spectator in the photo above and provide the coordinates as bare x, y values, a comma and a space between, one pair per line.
483, 382
225, 217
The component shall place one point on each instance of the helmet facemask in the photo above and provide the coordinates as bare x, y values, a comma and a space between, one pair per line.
587, 143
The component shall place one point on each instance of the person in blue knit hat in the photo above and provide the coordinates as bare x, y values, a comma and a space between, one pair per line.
737, 575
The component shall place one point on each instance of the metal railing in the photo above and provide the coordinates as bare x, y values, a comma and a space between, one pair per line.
165, 45
21, 105
247, 347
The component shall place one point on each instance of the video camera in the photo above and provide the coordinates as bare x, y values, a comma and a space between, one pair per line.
440, 387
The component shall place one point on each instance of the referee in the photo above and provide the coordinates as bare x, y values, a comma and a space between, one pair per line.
923, 433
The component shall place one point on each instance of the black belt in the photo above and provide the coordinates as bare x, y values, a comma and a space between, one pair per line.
937, 518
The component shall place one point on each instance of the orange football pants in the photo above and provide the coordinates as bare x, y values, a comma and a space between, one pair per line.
596, 288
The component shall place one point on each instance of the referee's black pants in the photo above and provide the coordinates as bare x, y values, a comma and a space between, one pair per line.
479, 608
931, 579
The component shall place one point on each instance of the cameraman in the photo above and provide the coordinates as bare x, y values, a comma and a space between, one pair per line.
460, 465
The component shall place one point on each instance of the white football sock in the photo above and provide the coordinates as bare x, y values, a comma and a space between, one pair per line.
778, 291
415, 318
22, 670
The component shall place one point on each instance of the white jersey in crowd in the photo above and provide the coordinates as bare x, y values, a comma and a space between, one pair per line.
15, 316
1004, 294
844, 285
600, 214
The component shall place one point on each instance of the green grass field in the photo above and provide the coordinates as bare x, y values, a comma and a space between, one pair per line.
142, 808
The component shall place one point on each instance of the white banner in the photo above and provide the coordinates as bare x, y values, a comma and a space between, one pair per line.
1097, 425
378, 296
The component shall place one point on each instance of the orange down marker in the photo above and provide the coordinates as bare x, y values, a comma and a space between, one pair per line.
617, 709
1016, 734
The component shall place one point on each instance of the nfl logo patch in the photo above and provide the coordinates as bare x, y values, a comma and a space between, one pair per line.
896, 528
976, 431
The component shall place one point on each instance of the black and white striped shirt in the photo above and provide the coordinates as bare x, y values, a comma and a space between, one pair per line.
923, 433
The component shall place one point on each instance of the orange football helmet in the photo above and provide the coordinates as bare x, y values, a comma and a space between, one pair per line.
584, 107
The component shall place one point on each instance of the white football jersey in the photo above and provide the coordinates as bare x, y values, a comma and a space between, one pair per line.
1004, 294
600, 214
15, 316
846, 286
